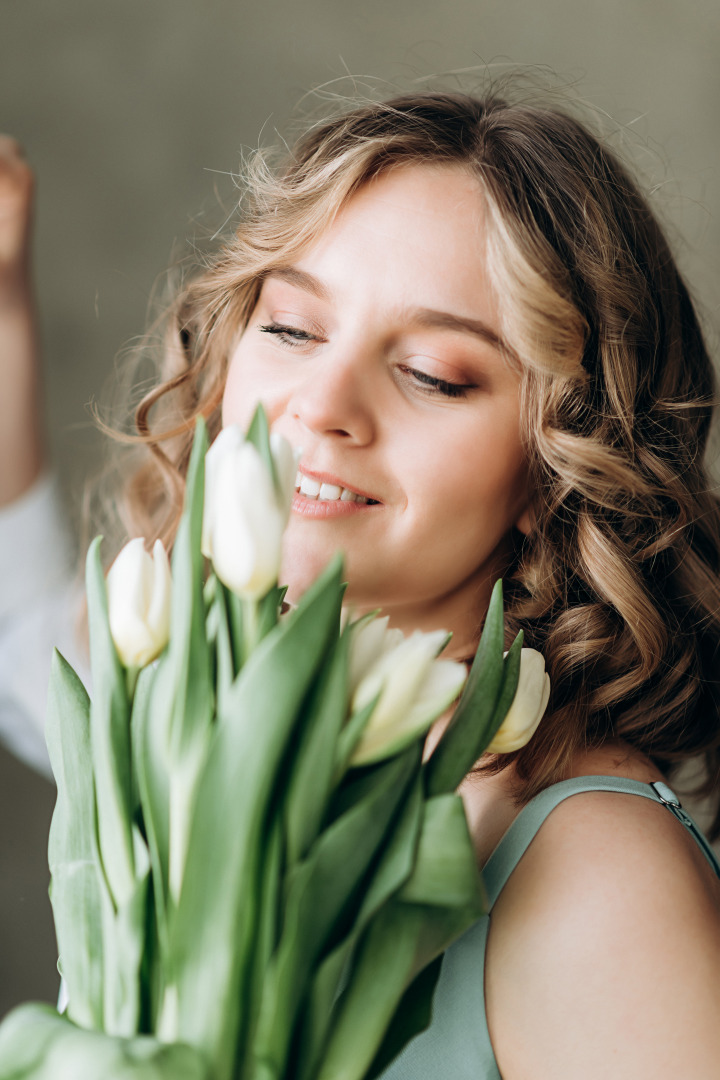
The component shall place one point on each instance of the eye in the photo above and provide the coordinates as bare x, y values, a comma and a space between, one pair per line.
288, 335
431, 385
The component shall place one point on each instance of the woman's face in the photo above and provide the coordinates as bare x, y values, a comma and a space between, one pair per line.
377, 354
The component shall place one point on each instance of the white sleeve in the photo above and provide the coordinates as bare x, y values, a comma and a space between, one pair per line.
40, 600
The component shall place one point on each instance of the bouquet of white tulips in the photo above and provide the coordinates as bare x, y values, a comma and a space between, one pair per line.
254, 874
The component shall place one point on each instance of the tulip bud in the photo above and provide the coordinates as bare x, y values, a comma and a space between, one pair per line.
371, 639
528, 705
245, 512
138, 588
412, 687
285, 459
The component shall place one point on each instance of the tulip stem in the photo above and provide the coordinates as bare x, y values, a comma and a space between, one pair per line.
251, 626
131, 677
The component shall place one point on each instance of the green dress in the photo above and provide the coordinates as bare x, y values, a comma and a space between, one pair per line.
456, 1045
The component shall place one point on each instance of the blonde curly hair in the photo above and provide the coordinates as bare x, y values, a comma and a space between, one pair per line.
617, 584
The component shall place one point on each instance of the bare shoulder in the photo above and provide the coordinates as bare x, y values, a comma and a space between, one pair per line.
604, 948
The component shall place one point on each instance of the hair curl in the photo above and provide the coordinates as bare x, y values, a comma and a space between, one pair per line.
618, 582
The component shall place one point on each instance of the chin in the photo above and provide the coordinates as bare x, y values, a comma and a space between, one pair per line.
299, 570
302, 563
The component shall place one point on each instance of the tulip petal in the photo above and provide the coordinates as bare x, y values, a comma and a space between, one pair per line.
441, 685
228, 442
368, 637
232, 547
395, 677
528, 706
138, 603
158, 615
129, 585
266, 521
243, 520
443, 682
285, 459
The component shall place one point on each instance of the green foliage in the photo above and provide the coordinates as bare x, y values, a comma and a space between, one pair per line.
482, 707
72, 847
37, 1044
220, 877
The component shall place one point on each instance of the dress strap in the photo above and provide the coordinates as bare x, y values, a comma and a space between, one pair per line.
518, 837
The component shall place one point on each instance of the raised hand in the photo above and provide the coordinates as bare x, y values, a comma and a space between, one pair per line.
16, 199
21, 426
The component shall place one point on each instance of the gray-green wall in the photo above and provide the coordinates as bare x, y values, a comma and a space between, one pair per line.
134, 111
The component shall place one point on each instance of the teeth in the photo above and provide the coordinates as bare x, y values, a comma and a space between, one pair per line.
309, 487
313, 489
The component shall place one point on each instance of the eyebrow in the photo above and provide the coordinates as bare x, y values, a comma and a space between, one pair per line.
301, 279
445, 320
425, 317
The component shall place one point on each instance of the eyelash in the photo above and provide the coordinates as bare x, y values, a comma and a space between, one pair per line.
289, 335
294, 338
440, 386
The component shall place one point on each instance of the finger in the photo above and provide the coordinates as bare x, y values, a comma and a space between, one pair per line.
16, 175
11, 149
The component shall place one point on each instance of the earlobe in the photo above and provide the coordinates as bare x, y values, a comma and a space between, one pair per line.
526, 521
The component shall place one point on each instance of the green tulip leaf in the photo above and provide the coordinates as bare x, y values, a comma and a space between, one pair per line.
72, 847
270, 906
214, 929
176, 723
109, 739
269, 610
350, 736
124, 948
188, 667
382, 970
445, 871
38, 1044
314, 759
151, 769
26, 1035
319, 893
391, 871
508, 688
259, 435
466, 735
219, 634
412, 1016
409, 932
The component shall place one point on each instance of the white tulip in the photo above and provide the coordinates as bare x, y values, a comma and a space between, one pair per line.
528, 705
371, 639
412, 687
286, 461
138, 588
244, 515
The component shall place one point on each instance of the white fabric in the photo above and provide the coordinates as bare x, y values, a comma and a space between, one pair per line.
40, 598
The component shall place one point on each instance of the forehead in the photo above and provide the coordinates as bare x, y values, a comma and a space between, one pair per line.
437, 189
416, 233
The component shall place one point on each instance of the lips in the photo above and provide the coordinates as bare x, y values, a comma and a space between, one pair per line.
328, 487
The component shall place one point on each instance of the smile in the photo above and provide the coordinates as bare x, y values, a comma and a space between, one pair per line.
312, 488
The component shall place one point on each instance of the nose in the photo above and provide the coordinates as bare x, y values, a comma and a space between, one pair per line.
336, 397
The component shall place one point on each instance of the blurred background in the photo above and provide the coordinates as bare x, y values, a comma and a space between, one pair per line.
135, 113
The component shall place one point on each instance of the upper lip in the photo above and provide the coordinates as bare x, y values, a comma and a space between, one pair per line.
328, 478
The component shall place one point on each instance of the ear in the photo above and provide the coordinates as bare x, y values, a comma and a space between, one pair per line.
526, 521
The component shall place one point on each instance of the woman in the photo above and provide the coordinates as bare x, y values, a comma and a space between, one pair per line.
466, 316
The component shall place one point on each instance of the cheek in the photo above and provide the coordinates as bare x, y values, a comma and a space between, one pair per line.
234, 394
476, 498
244, 390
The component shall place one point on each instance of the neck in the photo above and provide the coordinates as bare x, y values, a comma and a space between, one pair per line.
461, 612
